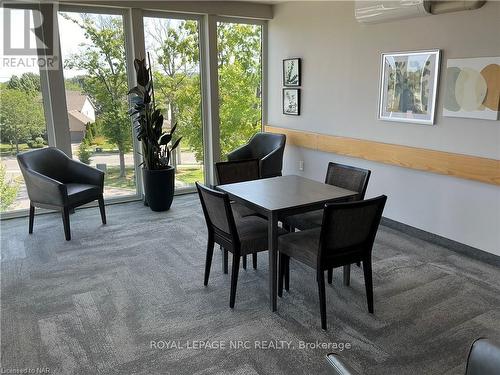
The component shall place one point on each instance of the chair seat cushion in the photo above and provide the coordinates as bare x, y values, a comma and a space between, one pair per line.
302, 246
241, 210
82, 193
308, 220
252, 231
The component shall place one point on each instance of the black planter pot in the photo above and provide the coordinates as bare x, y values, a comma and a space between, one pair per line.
159, 188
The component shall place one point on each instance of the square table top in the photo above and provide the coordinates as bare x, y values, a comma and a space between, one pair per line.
285, 192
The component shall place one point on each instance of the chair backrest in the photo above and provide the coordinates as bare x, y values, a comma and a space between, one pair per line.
218, 213
50, 162
263, 144
350, 228
348, 177
230, 172
484, 358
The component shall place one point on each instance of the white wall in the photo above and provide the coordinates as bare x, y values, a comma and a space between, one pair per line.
88, 110
340, 61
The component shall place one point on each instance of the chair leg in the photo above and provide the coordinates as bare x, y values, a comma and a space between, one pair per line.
102, 209
225, 260
244, 262
287, 273
330, 275
254, 260
347, 275
208, 261
322, 298
32, 219
367, 270
65, 217
234, 279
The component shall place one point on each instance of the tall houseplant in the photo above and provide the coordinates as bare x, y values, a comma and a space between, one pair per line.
156, 145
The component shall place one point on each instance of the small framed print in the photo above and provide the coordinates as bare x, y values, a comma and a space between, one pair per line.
291, 102
291, 72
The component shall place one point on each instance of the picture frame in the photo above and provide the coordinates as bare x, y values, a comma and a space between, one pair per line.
472, 88
408, 86
291, 72
291, 102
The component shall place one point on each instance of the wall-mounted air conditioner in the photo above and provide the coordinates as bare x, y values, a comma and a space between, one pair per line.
383, 11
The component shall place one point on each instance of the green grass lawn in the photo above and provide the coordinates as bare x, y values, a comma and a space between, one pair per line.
5, 149
187, 175
112, 178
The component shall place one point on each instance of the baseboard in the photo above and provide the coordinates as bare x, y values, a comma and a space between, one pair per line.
455, 246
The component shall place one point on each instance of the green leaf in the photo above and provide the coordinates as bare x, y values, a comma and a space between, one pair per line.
176, 143
165, 139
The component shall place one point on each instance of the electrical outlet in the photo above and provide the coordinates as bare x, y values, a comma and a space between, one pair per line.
301, 165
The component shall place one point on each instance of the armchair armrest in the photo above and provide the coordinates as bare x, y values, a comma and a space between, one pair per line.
271, 165
340, 367
84, 174
484, 358
241, 153
43, 189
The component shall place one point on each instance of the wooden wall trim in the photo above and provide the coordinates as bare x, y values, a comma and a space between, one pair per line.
447, 163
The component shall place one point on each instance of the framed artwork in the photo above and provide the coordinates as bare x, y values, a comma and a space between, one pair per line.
291, 72
291, 102
408, 86
472, 88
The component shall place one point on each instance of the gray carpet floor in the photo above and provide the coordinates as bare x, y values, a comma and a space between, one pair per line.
100, 303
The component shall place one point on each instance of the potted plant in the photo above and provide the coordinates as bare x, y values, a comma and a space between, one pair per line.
157, 146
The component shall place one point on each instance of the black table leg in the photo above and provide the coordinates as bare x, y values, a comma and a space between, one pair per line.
273, 259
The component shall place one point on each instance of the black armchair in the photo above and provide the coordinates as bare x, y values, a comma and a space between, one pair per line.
268, 148
57, 182
483, 359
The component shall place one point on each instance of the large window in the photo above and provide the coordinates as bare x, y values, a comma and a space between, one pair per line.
239, 51
95, 126
95, 78
22, 120
173, 48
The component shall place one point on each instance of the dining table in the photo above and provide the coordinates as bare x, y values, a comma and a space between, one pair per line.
278, 197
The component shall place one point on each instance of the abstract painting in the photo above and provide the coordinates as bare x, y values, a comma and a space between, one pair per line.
408, 86
291, 72
291, 102
472, 88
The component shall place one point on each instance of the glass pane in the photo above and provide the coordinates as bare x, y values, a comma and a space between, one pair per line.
22, 120
95, 76
174, 52
240, 83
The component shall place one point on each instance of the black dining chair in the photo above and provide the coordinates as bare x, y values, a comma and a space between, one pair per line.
230, 172
346, 236
57, 182
268, 148
238, 235
341, 175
